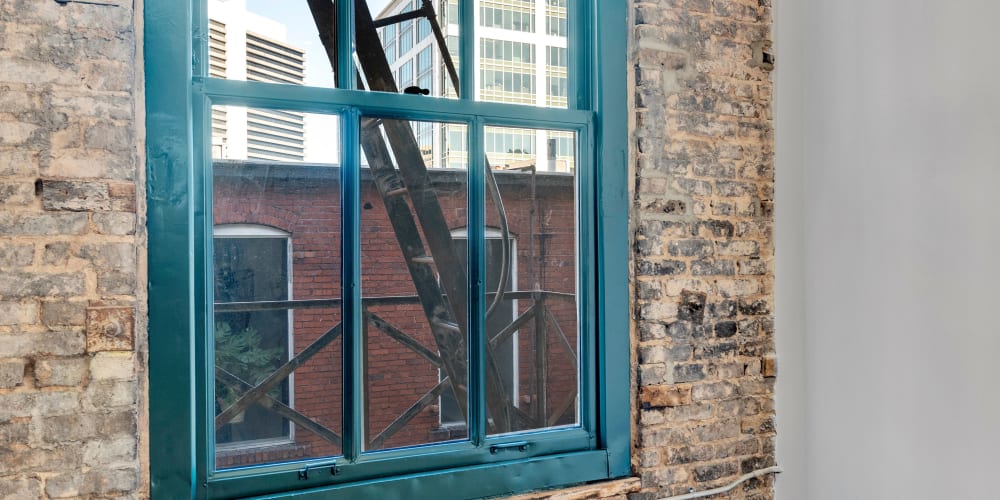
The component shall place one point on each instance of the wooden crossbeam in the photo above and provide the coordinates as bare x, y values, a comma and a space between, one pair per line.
280, 408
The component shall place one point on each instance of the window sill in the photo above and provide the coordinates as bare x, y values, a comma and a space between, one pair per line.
608, 489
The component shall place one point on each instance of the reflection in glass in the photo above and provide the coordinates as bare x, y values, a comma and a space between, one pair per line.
276, 259
414, 284
270, 41
409, 46
532, 315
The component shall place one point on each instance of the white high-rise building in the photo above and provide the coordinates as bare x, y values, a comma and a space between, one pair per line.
247, 46
522, 58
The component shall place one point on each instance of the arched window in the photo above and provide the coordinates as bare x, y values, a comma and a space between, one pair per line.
252, 267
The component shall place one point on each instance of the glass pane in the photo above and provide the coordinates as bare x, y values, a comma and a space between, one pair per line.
414, 282
270, 41
398, 50
277, 286
531, 262
522, 52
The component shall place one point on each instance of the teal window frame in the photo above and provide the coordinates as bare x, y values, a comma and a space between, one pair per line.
179, 96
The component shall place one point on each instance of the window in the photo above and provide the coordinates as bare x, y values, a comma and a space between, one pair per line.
370, 293
507, 351
251, 266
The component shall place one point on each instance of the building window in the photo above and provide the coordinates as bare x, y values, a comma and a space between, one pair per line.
251, 267
359, 291
501, 277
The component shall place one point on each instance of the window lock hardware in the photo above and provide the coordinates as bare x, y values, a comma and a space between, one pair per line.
304, 472
521, 446
88, 2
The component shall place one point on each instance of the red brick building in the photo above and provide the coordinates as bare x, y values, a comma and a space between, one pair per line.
278, 239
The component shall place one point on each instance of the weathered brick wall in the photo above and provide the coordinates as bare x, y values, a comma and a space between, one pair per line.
70, 258
703, 217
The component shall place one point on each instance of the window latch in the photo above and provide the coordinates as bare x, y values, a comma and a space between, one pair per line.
521, 446
304, 472
88, 2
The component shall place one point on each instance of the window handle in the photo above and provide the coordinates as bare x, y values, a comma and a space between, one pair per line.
332, 465
521, 446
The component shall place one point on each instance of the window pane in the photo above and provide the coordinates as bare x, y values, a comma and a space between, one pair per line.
414, 47
522, 61
532, 319
276, 213
268, 41
414, 283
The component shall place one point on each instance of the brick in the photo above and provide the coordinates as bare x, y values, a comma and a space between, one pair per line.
16, 133
18, 313
65, 343
20, 489
13, 256
112, 366
60, 372
738, 288
17, 193
739, 247
64, 313
692, 306
24, 284
769, 366
709, 267
18, 163
108, 451
689, 372
56, 254
691, 248
11, 373
115, 223
82, 163
42, 224
109, 394
24, 404
660, 396
713, 391
119, 256
95, 482
706, 473
725, 329
663, 268
75, 196
116, 282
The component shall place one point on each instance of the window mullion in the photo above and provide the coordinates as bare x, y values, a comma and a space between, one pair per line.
578, 74
353, 351
477, 273
346, 78
467, 49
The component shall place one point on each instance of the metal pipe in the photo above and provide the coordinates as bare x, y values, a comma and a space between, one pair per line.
723, 489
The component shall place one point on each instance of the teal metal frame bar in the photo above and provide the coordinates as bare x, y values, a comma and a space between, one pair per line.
179, 192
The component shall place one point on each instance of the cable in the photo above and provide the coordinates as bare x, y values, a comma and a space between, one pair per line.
724, 489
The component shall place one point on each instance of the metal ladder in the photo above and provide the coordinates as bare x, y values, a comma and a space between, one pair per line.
442, 294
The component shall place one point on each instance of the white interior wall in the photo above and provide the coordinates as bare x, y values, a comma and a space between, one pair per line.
888, 240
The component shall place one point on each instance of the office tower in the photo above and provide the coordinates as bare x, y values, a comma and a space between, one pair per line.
521, 48
246, 46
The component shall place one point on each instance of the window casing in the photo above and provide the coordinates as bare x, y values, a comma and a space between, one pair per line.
180, 101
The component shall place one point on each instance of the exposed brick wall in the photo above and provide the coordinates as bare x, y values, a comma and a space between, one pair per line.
72, 255
70, 264
703, 217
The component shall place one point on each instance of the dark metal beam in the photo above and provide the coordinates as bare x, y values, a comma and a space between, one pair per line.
272, 380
